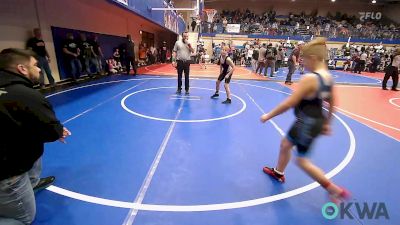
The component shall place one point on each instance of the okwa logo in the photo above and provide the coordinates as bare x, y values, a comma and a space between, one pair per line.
364, 210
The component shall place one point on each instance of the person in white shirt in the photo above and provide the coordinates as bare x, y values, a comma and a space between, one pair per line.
198, 23
224, 25
249, 54
361, 63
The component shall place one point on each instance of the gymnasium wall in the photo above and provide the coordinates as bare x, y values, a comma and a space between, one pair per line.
168, 19
187, 15
392, 12
19, 17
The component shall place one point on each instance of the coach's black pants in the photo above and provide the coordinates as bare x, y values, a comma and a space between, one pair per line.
128, 61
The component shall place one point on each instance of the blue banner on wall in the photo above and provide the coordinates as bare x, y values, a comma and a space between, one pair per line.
169, 19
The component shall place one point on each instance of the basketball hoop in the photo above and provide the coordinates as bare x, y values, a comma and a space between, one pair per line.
210, 14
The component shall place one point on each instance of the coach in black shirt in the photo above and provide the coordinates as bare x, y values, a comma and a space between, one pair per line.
27, 122
37, 45
71, 52
129, 55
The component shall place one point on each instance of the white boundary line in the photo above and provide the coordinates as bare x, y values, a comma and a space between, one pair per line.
357, 86
102, 103
244, 106
262, 111
108, 82
391, 101
188, 99
359, 75
369, 120
221, 206
205, 71
373, 128
297, 78
343, 111
130, 218
185, 96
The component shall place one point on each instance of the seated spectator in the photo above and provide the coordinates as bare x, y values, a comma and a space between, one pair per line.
116, 55
114, 66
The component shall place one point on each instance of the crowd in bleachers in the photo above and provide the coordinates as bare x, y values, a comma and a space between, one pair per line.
356, 58
331, 26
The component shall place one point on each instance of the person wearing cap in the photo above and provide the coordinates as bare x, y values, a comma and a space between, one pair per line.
293, 62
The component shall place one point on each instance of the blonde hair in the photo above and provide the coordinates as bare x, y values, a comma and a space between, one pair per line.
316, 47
226, 48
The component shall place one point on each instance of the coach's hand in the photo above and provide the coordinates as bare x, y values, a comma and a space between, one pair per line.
66, 133
174, 64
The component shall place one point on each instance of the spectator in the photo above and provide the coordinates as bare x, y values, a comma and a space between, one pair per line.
250, 52
254, 57
114, 66
193, 24
98, 53
88, 56
154, 54
261, 58
116, 55
37, 45
361, 63
164, 52
71, 52
142, 52
270, 59
224, 25
293, 62
280, 57
129, 55
198, 24
376, 60
317, 26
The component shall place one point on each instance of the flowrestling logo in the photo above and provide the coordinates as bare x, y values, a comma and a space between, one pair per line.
370, 16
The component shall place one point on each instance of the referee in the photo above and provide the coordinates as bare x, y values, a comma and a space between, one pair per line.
181, 60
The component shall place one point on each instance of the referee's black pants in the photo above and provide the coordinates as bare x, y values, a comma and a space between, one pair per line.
183, 66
